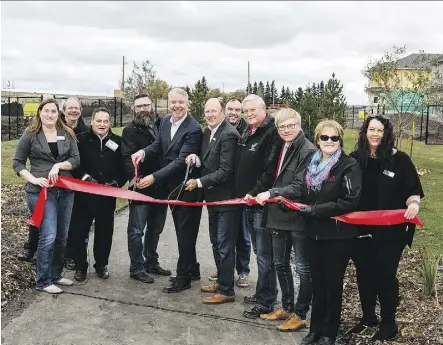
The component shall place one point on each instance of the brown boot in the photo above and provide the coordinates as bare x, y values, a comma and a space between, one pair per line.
218, 299
277, 314
292, 324
211, 288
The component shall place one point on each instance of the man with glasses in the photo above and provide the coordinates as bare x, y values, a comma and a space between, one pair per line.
140, 133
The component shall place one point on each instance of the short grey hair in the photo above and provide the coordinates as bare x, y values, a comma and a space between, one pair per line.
178, 91
285, 114
254, 98
72, 99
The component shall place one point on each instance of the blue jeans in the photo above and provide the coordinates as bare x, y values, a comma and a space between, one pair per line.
243, 245
222, 233
282, 242
153, 217
266, 289
53, 234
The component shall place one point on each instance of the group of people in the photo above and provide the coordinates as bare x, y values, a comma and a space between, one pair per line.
256, 157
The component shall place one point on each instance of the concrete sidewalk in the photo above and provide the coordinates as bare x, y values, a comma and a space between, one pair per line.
123, 311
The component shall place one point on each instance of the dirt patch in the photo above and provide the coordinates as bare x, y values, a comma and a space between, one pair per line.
17, 276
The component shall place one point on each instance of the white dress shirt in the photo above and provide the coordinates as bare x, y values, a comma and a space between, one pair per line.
175, 126
197, 160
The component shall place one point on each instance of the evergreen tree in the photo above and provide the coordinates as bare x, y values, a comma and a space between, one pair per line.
248, 89
282, 95
268, 95
197, 99
296, 101
274, 93
261, 89
334, 101
288, 95
255, 88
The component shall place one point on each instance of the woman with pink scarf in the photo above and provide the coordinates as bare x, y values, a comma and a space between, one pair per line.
331, 186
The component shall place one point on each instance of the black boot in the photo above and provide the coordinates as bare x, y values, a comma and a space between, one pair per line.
250, 299
80, 275
310, 339
157, 269
102, 272
363, 323
387, 331
26, 255
178, 285
256, 311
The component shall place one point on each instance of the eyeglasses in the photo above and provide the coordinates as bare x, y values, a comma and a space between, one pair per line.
334, 138
290, 126
141, 106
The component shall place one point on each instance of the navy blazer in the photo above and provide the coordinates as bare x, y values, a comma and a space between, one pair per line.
173, 153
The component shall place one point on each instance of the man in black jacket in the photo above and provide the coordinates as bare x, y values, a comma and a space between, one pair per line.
140, 133
71, 116
289, 228
217, 183
233, 115
100, 156
256, 159
179, 136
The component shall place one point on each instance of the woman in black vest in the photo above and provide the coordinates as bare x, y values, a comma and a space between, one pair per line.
390, 181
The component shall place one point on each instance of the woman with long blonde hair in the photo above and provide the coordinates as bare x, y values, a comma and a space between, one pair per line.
51, 148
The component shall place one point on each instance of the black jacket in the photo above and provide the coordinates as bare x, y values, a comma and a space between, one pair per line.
136, 137
388, 188
100, 159
217, 169
173, 153
256, 159
295, 162
241, 126
338, 195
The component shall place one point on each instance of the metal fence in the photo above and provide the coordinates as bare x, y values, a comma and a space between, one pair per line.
433, 125
17, 112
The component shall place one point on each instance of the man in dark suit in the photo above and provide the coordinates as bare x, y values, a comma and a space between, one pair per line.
100, 156
179, 136
141, 132
217, 183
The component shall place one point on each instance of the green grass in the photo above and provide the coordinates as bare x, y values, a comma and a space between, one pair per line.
424, 157
429, 157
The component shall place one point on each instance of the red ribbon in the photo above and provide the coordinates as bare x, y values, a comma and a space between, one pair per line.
387, 217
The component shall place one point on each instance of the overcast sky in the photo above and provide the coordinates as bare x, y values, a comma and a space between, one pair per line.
78, 46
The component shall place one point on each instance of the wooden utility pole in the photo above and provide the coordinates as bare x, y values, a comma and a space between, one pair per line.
123, 75
249, 79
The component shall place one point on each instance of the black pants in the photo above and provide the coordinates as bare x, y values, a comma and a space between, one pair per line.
223, 234
69, 250
187, 222
101, 209
376, 261
328, 260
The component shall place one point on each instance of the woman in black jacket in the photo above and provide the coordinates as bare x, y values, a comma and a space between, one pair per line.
390, 181
331, 187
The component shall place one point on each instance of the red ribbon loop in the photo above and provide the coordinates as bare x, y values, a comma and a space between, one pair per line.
383, 217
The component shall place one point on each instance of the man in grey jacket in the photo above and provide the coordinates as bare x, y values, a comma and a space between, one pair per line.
288, 227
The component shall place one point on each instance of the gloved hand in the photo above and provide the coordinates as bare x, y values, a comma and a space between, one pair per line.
283, 207
306, 211
113, 183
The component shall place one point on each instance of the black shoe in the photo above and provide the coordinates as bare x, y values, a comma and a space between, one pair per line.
193, 278
158, 270
195, 274
70, 264
178, 285
325, 341
80, 275
387, 331
250, 299
26, 255
310, 339
256, 311
363, 324
102, 272
143, 276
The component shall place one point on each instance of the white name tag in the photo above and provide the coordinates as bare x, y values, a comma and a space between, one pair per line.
112, 145
389, 173
60, 137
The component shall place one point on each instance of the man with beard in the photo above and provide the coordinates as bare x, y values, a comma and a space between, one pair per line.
179, 136
140, 133
233, 115
71, 116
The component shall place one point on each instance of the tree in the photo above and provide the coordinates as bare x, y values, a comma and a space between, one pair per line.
248, 89
139, 80
333, 103
296, 101
274, 93
158, 89
261, 89
240, 94
267, 95
197, 99
215, 93
403, 91
282, 95
255, 88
